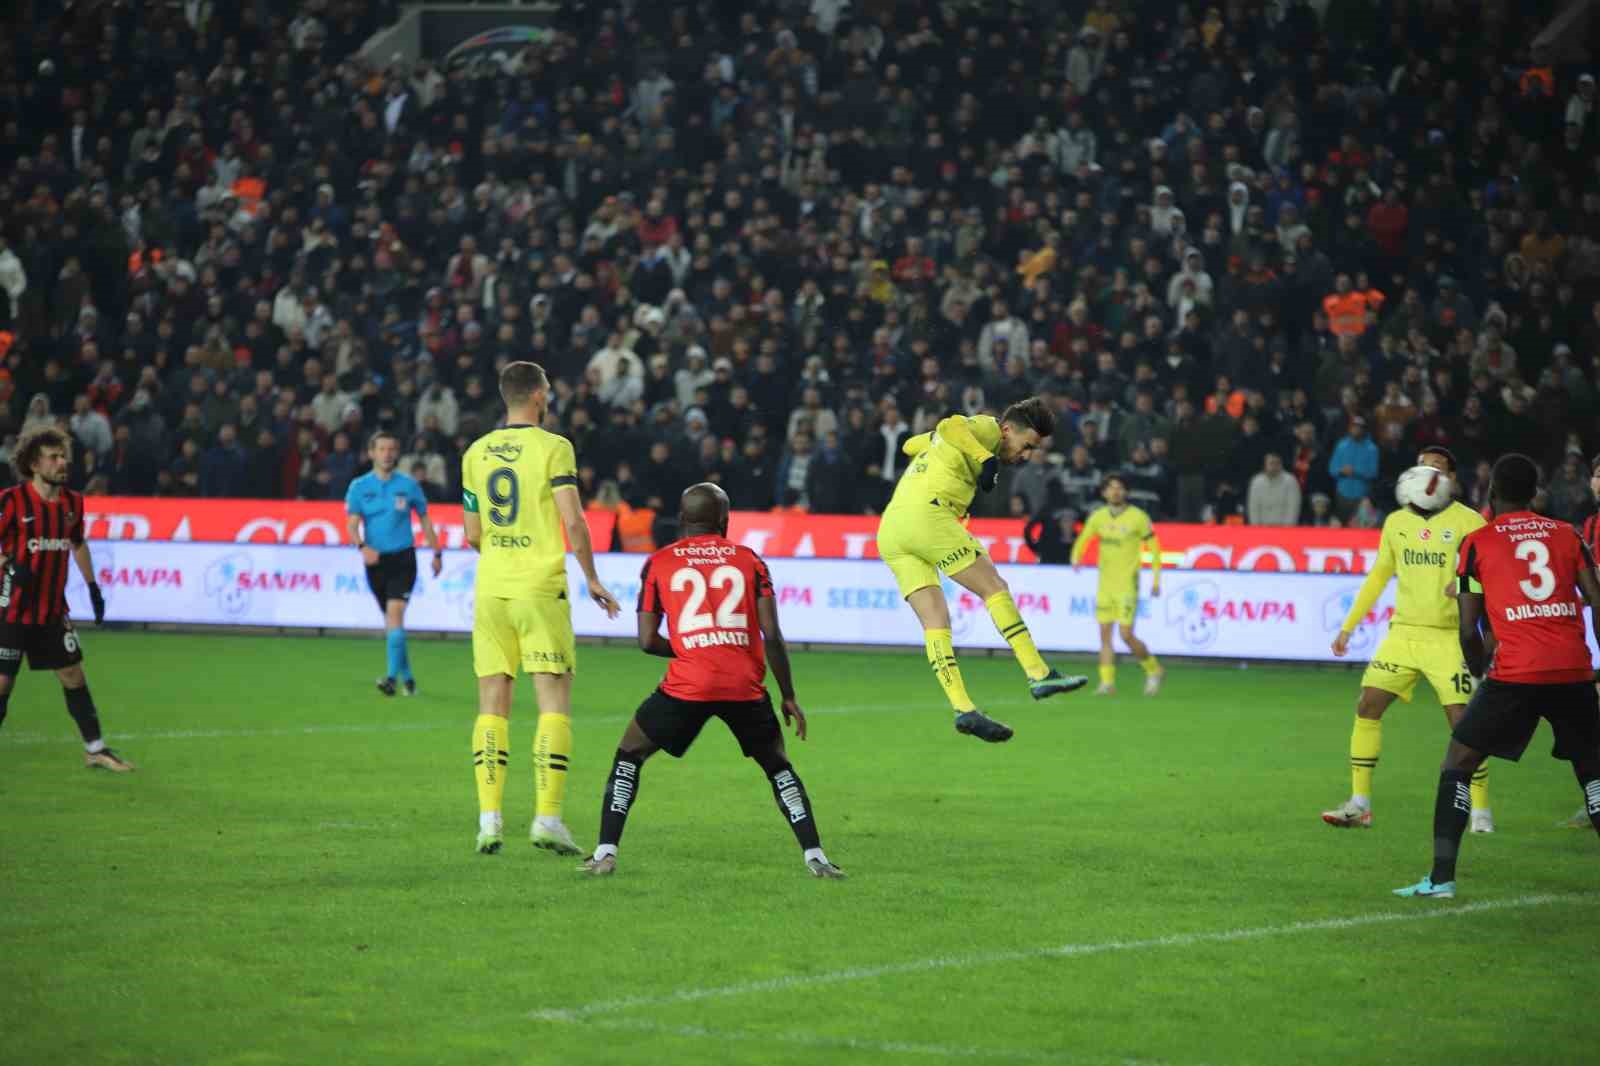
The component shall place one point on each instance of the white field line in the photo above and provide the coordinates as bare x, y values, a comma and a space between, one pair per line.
1420, 911
14, 738
880, 1047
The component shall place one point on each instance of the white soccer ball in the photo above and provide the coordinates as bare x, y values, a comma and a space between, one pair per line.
1424, 488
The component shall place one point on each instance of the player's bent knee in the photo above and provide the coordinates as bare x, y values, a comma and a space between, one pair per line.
71, 677
773, 759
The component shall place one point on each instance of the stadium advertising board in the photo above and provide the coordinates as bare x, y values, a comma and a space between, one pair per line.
778, 536
1222, 614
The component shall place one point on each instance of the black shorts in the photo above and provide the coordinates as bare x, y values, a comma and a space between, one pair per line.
49, 646
393, 576
1502, 715
672, 724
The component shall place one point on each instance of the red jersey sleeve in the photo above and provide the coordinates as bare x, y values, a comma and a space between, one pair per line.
8, 515
763, 577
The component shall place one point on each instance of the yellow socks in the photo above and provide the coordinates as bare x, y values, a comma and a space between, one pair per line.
1108, 673
1480, 788
942, 657
1150, 666
490, 750
552, 748
1008, 620
1366, 741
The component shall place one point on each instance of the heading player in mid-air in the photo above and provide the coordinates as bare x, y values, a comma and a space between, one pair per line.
1526, 573
378, 508
1123, 530
1420, 548
41, 527
921, 536
722, 625
524, 482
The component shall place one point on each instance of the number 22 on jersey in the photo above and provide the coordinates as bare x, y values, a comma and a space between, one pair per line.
728, 581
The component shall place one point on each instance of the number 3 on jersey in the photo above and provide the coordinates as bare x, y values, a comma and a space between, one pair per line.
691, 618
1541, 582
504, 496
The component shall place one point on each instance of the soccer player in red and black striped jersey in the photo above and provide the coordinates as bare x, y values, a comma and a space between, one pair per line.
722, 622
41, 535
1532, 575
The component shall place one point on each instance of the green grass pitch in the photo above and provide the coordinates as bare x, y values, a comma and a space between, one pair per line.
289, 878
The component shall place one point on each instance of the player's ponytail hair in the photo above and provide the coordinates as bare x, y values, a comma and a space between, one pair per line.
34, 442
1032, 413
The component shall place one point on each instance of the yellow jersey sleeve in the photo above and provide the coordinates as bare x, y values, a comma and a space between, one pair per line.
1382, 570
510, 478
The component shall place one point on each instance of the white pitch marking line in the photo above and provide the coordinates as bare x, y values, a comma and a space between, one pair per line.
882, 1047
962, 962
20, 739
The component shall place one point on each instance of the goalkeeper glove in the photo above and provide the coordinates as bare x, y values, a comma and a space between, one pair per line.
988, 474
98, 599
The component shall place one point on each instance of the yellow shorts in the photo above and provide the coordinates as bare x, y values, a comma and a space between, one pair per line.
534, 632
1409, 652
920, 547
1117, 603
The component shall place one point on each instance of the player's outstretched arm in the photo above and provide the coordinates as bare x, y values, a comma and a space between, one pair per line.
651, 642
85, 561
1371, 588
1153, 543
577, 530
430, 535
778, 663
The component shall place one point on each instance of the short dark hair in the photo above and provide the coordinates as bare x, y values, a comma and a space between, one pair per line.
1105, 482
380, 435
520, 380
1441, 450
1515, 479
1594, 464
1032, 413
31, 444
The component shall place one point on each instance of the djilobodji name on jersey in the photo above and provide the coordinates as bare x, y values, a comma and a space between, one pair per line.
1567, 609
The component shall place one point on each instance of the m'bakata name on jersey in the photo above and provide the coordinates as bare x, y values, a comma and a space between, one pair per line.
716, 638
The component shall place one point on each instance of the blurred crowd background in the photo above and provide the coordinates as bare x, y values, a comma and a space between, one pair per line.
1256, 254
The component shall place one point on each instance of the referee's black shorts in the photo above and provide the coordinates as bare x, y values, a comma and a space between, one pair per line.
393, 576
673, 724
1502, 716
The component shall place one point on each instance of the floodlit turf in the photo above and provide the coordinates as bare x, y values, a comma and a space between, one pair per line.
289, 878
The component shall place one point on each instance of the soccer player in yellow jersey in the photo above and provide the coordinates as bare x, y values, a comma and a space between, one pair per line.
520, 490
1123, 530
922, 536
1419, 548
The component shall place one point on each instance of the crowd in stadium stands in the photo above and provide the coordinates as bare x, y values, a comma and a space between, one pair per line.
1255, 254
